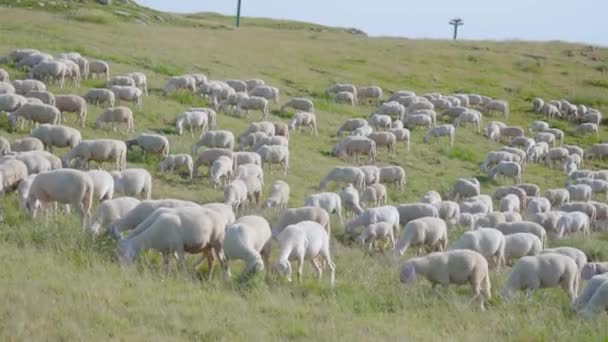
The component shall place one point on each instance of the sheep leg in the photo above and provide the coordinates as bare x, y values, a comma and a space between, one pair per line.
317, 267
300, 262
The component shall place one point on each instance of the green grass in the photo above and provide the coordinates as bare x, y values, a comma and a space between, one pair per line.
56, 284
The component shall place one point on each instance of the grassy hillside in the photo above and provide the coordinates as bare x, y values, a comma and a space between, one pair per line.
56, 284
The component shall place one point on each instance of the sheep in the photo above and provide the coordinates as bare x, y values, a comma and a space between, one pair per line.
440, 131
575, 254
411, 121
243, 158
538, 205
253, 102
392, 108
140, 212
350, 125
532, 190
278, 196
507, 169
274, 155
299, 104
593, 299
349, 197
511, 132
509, 203
10, 102
254, 189
503, 191
304, 240
277, 140
50, 71
56, 135
208, 156
150, 143
191, 120
99, 150
222, 209
545, 137
254, 82
237, 85
4, 76
338, 87
402, 134
176, 231
373, 93
519, 245
221, 167
495, 157
580, 192
331, 202
235, 194
12, 172
477, 204
140, 81
591, 269
557, 134
24, 145
572, 222
508, 228
23, 190
174, 83
598, 151
99, 67
598, 186
5, 146
115, 115
36, 161
374, 215
372, 174
7, 88
23, 87
538, 126
430, 197
451, 267
346, 174
353, 146
387, 139
380, 121
413, 211
488, 242
103, 185
346, 97
214, 139
72, 73
542, 271
550, 111
72, 104
121, 81
267, 92
247, 140
305, 119
448, 211
453, 112
377, 231
282, 129
592, 117
133, 182
470, 116
100, 97
464, 188
393, 175
177, 161
108, 212
65, 186
44, 96
249, 170
374, 195
247, 239
296, 215
35, 113
128, 94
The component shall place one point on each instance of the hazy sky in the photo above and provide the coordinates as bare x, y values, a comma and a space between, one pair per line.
580, 20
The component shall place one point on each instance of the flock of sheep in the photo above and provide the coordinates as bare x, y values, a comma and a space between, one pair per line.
516, 234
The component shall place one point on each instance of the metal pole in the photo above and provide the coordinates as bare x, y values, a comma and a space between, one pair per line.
238, 14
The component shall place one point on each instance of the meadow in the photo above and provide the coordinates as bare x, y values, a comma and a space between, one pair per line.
57, 284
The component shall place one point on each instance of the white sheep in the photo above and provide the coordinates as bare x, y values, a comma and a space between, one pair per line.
140, 81
44, 96
510, 203
177, 161
99, 150
252, 103
247, 239
299, 104
304, 119
331, 202
349, 197
472, 117
538, 205
346, 97
580, 192
402, 134
519, 245
350, 125
575, 254
572, 222
377, 231
594, 298
208, 156
191, 120
464, 188
429, 232
488, 242
346, 174
139, 213
249, 170
72, 104
26, 144
414, 120
507, 169
99, 96
235, 194
128, 94
304, 240
267, 92
103, 185
393, 175
150, 143
108, 212
221, 168
374, 195
99, 67
380, 121
22, 87
133, 182
592, 269
274, 154
440, 131
116, 115
296, 215
278, 196
508, 228
373, 93
35, 113
451, 267
56, 135
214, 139
387, 139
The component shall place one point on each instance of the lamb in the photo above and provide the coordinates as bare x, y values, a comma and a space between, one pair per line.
253, 103
455, 267
65, 186
108, 212
580, 192
267, 92
346, 174
542, 271
278, 196
598, 151
274, 154
57, 136
12, 172
304, 240
377, 231
25, 144
235, 194
35, 113
176, 231
208, 156
140, 81
100, 97
128, 94
247, 239
488, 242
346, 97
103, 185
440, 131
394, 175
44, 96
509, 203
464, 188
299, 104
509, 228
115, 115
572, 222
72, 104
349, 197
575, 254
177, 161
507, 169
150, 143
380, 121
402, 134
591, 269
139, 213
221, 167
592, 300
373, 93
99, 67
387, 139
519, 245
99, 150
297, 215
305, 119
331, 202
411, 121
374, 195
538, 205
214, 139
350, 125
374, 215
133, 182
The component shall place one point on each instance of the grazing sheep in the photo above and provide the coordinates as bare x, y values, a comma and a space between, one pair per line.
297, 215
261, 126
103, 185
24, 145
237, 85
350, 125
440, 131
470, 116
464, 188
35, 113
192, 120
278, 196
277, 140
598, 151
248, 140
575, 254
140, 81
254, 82
493, 158
99, 97
221, 168
509, 228
377, 231
72, 104
557, 134
128, 94
380, 121
387, 139
150, 143
281, 129
274, 154
545, 137
402, 134
139, 213
44, 96
349, 197
451, 267
299, 104
235, 194
374, 215
243, 158
23, 87
50, 71
374, 195
507, 169
430, 197
176, 161
305, 119
511, 132
56, 135
214, 139
538, 126
99, 67
329, 201
580, 192
392, 108
346, 97
532, 190
414, 120
557, 197
5, 146
519, 245
4, 76
573, 222
247, 239
208, 156
120, 81
510, 203
339, 87
267, 92
108, 212
304, 240
372, 174
542, 271
478, 204
65, 186
115, 115
593, 300
591, 269
133, 182
249, 170
373, 93
252, 103
488, 242
346, 174
98, 150
12, 172
175, 83
354, 146
393, 175
10, 102
538, 205
414, 211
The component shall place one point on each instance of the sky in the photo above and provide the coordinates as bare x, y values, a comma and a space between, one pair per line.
575, 21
